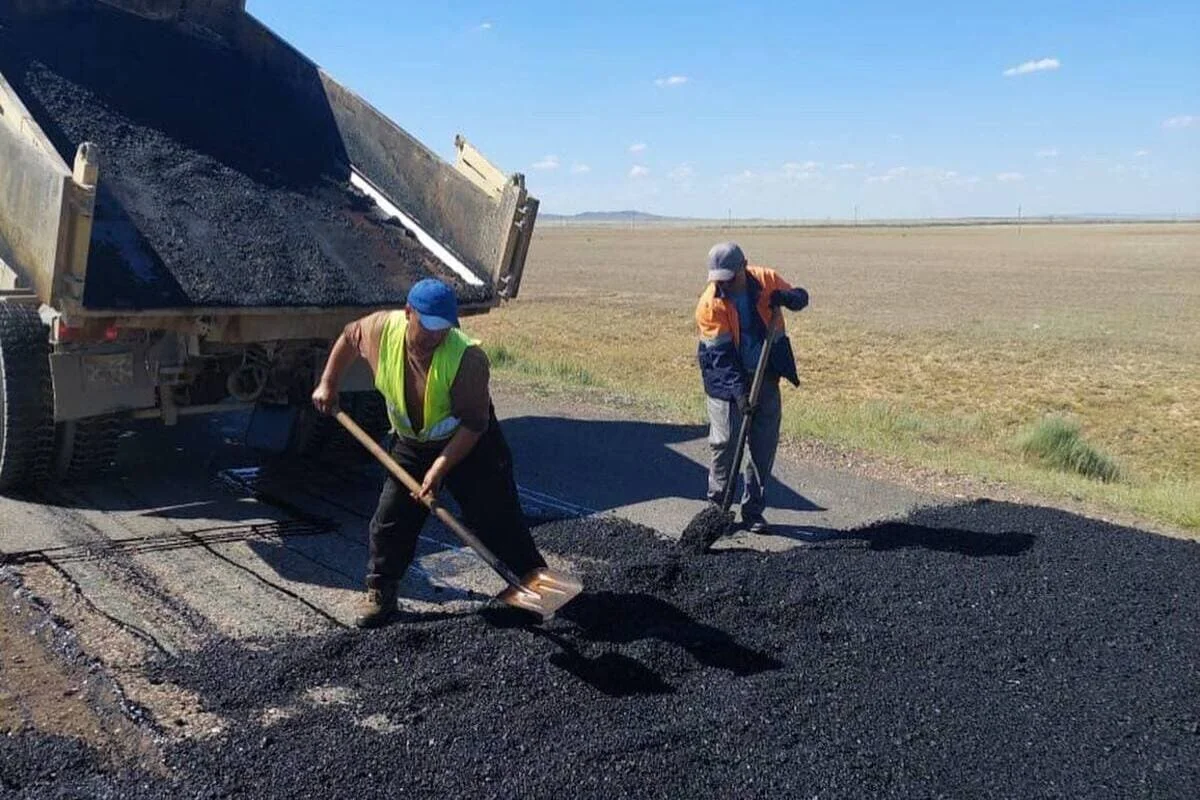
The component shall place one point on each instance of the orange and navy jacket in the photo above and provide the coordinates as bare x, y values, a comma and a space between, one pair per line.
720, 332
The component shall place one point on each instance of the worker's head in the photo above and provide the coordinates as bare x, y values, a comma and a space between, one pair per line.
727, 265
433, 308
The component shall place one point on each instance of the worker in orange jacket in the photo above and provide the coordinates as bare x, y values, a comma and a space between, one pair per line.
732, 316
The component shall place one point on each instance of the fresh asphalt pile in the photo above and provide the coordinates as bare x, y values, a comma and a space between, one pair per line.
979, 650
218, 186
705, 529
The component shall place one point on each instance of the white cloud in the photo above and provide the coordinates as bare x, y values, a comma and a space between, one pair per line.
547, 162
1141, 153
671, 80
580, 169
486, 26
744, 177
682, 173
640, 147
1010, 177
929, 175
1040, 65
892, 174
1182, 121
801, 171
846, 166
1048, 152
639, 171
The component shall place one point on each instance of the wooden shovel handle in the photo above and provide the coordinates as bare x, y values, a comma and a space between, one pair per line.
413, 486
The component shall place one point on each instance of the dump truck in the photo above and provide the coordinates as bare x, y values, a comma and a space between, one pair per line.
190, 212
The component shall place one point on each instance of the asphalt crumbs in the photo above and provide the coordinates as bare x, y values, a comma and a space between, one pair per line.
986, 649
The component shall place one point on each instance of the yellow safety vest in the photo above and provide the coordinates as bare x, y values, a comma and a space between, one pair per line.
439, 422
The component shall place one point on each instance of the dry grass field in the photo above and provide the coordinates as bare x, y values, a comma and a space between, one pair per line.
935, 347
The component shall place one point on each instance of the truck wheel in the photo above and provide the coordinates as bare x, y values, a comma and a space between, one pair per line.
370, 411
310, 432
321, 437
86, 448
26, 399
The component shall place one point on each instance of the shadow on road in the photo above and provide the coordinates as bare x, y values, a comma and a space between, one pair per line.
618, 618
607, 464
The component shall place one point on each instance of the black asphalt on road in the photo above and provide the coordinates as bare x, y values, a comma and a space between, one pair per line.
981, 650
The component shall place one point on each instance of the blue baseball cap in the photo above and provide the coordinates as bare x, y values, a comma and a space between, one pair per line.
435, 302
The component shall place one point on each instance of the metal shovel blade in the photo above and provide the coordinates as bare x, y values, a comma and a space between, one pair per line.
542, 591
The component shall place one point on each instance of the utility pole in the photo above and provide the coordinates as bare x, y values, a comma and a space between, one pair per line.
856, 215
1018, 219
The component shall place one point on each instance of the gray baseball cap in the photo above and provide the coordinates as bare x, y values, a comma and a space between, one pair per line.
725, 260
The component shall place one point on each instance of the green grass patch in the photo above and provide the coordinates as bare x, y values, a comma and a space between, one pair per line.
1058, 443
506, 359
937, 402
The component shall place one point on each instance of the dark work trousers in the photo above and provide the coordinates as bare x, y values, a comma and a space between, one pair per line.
484, 487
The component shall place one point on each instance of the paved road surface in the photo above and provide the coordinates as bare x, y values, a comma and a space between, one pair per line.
196, 532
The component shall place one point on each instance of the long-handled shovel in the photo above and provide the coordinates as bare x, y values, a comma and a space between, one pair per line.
542, 591
715, 521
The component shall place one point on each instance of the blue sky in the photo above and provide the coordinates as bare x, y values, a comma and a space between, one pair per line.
789, 110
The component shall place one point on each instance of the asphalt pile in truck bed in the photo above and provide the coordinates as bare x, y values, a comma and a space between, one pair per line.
218, 188
980, 650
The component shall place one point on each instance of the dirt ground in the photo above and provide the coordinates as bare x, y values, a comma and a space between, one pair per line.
48, 689
1137, 282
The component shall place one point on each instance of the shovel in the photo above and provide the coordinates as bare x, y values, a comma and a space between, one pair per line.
542, 591
715, 521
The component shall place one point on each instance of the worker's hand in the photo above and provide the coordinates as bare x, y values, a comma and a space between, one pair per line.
743, 403
433, 480
325, 398
795, 299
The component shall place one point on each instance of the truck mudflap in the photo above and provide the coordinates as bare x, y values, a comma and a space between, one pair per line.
102, 381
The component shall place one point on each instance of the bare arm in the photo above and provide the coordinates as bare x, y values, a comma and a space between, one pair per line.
459, 446
342, 355
471, 403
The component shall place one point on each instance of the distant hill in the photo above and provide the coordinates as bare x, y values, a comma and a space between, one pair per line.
645, 218
608, 216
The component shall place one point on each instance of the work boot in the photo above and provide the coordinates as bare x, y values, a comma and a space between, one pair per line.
377, 608
754, 523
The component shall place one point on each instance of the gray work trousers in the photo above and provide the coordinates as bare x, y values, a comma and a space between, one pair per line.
759, 456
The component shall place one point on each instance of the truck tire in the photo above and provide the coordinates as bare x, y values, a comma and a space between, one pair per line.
86, 449
26, 399
370, 411
320, 437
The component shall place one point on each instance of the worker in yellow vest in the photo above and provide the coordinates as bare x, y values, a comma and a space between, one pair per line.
435, 381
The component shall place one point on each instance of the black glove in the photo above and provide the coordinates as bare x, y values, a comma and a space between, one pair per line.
743, 403
792, 299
